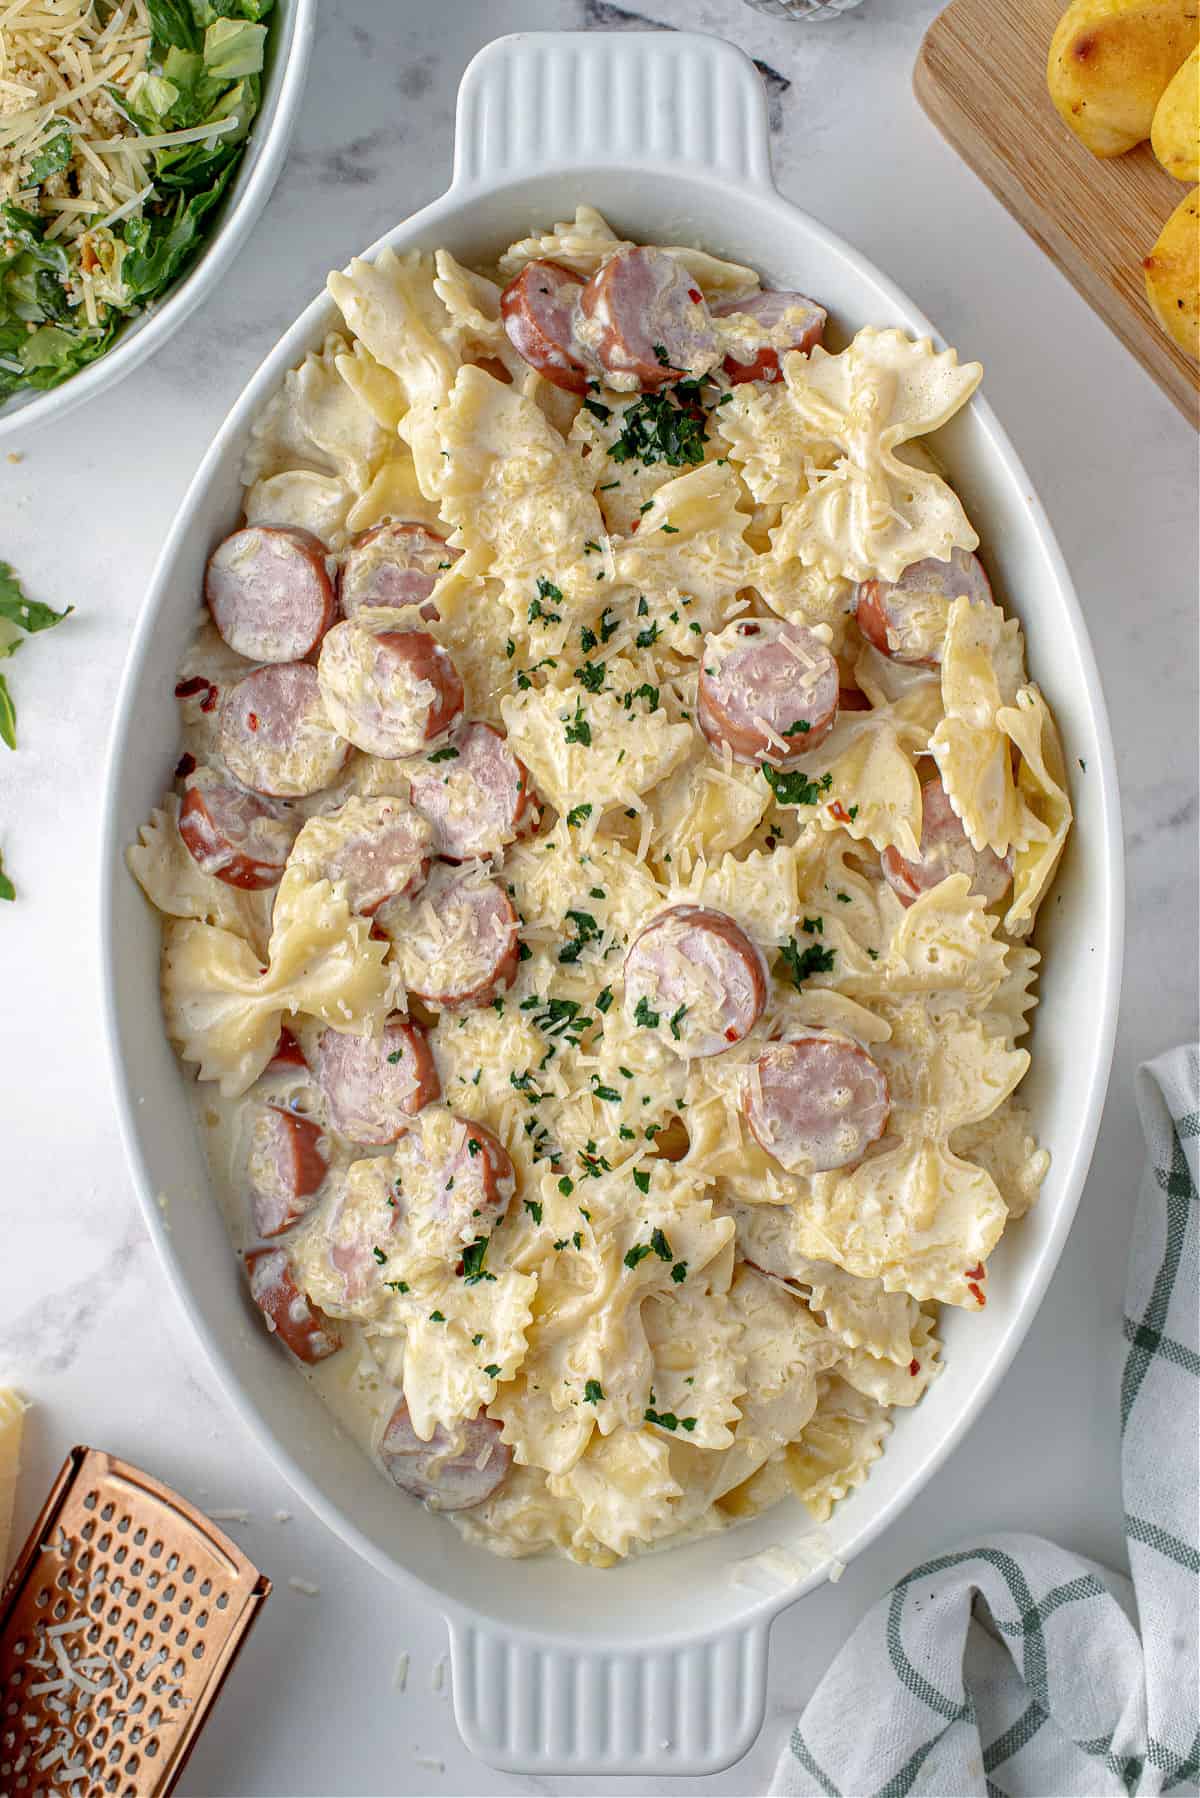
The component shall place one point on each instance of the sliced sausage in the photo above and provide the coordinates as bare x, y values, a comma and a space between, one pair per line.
475, 794
646, 320
457, 942
816, 1102
389, 692
375, 1084
906, 619
285, 1167
290, 1314
392, 565
269, 592
945, 850
275, 735
790, 315
694, 977
540, 309
768, 689
380, 848
454, 1469
456, 1181
234, 835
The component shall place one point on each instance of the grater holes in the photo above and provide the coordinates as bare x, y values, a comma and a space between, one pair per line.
151, 1748
146, 1643
140, 1534
201, 1619
169, 1591
108, 1511
172, 1562
222, 1600
150, 1610
198, 1652
205, 1588
125, 1523
179, 1669
156, 1547
91, 1501
181, 1640
153, 1578
137, 1567
106, 1542
88, 1530
121, 1556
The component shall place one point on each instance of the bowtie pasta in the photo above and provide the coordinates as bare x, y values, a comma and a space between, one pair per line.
598, 883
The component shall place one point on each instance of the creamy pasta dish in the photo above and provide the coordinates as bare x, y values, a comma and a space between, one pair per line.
598, 886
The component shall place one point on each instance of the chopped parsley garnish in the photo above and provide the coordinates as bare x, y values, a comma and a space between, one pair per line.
547, 590
597, 893
396, 1285
437, 1317
642, 1014
641, 1179
448, 754
649, 636
658, 429
590, 548
679, 1272
524, 1084
561, 1244
667, 1420
800, 728
474, 1256
593, 1392
603, 413
534, 1208
844, 899
669, 530
591, 676
561, 1017
814, 926
645, 691
801, 963
492, 1369
578, 814
510, 649
395, 1056
566, 1186
677, 1019
604, 998
536, 611
593, 1165
379, 1255
661, 1246
586, 931
609, 1094
607, 486
637, 1253
874, 954
794, 787
577, 729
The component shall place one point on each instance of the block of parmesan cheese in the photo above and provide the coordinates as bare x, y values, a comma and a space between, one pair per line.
12, 1411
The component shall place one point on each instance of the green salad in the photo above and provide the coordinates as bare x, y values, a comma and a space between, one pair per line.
121, 125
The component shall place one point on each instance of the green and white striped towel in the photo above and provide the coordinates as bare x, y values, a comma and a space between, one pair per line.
1014, 1667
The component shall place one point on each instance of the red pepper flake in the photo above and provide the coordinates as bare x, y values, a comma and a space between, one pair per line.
914, 1367
731, 1035
694, 295
976, 1293
288, 1052
187, 689
978, 1272
252, 720
633, 527
185, 765
210, 699
838, 812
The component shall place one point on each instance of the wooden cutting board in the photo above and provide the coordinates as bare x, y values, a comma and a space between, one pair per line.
981, 77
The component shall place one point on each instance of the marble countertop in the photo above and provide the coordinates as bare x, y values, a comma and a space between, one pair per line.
87, 1327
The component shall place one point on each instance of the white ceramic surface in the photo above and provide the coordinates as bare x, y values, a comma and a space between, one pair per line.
554, 1666
293, 24
90, 1328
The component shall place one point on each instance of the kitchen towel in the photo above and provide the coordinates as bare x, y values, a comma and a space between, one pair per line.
1012, 1667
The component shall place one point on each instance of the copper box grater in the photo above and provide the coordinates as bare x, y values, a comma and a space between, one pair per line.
118, 1625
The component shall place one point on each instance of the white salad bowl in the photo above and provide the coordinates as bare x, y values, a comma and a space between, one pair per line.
293, 23
658, 1664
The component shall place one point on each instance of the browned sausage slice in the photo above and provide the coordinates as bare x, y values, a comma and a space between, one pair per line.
392, 565
802, 319
768, 690
269, 593
455, 1469
234, 835
389, 692
540, 309
694, 977
945, 850
476, 795
380, 848
906, 619
647, 320
290, 1314
457, 942
375, 1084
816, 1102
285, 1167
275, 735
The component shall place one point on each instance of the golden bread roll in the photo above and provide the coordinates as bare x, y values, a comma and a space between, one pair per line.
1176, 132
1173, 275
1110, 62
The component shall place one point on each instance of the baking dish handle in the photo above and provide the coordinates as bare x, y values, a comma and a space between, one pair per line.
529, 1706
551, 101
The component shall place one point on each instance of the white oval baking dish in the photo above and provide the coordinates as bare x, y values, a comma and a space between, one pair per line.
658, 1665
294, 23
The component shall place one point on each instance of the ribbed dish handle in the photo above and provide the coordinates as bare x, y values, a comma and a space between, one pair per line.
559, 100
531, 1707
